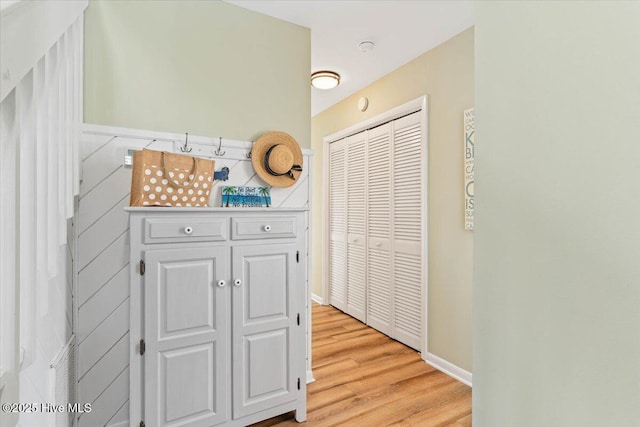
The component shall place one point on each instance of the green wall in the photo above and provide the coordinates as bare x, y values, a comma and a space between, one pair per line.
204, 67
557, 254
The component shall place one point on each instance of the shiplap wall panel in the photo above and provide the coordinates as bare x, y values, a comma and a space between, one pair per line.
102, 303
103, 267
103, 338
103, 278
108, 403
121, 418
107, 229
107, 368
106, 160
114, 187
92, 143
298, 195
99, 201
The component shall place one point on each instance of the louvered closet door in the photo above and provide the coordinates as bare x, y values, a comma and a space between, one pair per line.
408, 195
337, 225
356, 225
379, 291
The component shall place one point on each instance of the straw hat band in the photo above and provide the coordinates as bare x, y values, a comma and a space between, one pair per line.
278, 161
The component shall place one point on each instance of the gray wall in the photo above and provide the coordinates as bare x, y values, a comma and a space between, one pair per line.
557, 240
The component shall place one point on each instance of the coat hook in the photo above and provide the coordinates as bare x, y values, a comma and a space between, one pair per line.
248, 154
185, 148
219, 152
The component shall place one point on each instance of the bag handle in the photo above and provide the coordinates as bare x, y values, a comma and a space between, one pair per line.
194, 172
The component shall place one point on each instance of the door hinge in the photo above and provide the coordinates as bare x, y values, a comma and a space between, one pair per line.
141, 424
298, 383
143, 347
297, 256
142, 267
298, 319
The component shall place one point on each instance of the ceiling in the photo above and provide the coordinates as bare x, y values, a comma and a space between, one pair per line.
401, 31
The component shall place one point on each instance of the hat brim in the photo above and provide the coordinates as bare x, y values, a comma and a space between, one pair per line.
259, 150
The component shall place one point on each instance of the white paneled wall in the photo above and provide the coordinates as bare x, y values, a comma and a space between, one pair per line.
103, 252
40, 123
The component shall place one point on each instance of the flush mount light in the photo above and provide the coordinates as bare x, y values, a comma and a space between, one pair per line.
325, 79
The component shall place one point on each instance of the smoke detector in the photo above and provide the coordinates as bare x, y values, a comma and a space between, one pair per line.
366, 46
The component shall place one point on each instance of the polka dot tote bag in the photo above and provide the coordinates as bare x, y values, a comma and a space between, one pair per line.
166, 179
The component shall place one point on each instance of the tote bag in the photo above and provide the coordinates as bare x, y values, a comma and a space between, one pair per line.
160, 178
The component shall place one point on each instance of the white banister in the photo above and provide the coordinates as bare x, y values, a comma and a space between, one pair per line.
41, 61
28, 30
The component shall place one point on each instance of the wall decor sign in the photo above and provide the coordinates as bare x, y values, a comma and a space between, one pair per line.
245, 197
469, 156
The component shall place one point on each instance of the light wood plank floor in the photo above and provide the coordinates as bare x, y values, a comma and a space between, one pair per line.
365, 379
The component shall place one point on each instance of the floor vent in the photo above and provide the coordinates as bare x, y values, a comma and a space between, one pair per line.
63, 382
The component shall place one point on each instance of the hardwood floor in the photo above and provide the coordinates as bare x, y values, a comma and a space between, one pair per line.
365, 379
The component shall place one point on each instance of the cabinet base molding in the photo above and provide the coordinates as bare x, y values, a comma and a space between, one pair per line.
310, 378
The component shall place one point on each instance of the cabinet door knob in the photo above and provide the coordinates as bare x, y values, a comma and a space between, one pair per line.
378, 244
221, 283
237, 282
267, 228
188, 230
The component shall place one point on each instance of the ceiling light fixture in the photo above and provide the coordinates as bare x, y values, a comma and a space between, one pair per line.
325, 79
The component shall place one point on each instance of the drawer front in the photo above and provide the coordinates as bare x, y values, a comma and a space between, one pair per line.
265, 228
164, 230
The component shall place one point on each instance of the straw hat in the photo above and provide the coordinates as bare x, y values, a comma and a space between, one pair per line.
277, 159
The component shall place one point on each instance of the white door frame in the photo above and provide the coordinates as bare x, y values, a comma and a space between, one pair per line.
418, 104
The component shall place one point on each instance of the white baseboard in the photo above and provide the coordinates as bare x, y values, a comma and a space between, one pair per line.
310, 378
317, 299
448, 368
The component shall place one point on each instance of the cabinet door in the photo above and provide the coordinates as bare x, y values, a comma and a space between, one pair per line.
186, 366
265, 295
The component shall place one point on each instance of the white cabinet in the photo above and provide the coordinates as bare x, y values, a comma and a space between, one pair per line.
217, 316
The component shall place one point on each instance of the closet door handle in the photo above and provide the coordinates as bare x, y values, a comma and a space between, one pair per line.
221, 283
188, 230
267, 228
237, 282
